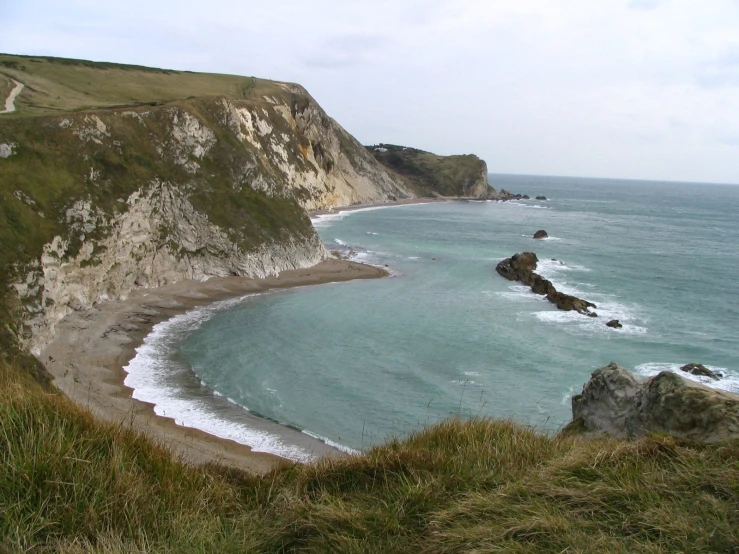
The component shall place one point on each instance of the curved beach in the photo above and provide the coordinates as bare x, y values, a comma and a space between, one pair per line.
91, 348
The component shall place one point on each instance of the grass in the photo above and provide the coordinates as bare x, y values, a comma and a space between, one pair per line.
69, 483
55, 85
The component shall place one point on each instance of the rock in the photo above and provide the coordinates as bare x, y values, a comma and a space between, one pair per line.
567, 302
541, 234
616, 403
525, 197
510, 267
541, 197
521, 266
615, 323
699, 369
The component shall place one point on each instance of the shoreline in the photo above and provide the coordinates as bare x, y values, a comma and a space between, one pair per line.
91, 347
389, 204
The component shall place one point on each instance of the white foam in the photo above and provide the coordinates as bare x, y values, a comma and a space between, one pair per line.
340, 242
324, 220
336, 445
534, 206
148, 372
728, 382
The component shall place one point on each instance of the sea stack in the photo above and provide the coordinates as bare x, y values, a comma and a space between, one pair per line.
541, 234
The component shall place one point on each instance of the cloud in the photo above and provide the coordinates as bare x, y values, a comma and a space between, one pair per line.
645, 4
345, 51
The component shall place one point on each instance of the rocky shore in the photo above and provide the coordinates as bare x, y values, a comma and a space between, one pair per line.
616, 403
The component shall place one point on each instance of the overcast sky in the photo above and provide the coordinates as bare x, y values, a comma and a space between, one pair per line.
607, 88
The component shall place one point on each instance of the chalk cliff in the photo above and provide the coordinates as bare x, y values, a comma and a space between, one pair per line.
99, 200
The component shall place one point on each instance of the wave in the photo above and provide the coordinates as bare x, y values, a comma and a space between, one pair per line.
532, 206
728, 382
156, 378
324, 220
336, 445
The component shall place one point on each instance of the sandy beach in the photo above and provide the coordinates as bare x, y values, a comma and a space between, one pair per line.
402, 202
92, 346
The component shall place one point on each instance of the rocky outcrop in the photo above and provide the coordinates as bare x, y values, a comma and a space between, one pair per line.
521, 266
614, 324
699, 369
541, 234
616, 403
433, 175
541, 198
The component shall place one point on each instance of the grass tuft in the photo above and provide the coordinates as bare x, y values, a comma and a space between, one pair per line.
69, 483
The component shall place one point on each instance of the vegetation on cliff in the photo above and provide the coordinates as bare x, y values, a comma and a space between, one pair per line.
433, 175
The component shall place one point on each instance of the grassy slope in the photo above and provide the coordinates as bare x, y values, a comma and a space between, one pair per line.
72, 484
69, 483
55, 85
429, 173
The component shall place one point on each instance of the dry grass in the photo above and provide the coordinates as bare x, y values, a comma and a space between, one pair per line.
56, 85
68, 483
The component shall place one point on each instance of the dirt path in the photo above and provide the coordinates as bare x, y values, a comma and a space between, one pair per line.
10, 101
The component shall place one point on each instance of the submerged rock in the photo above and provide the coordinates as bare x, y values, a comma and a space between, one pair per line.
615, 323
541, 197
616, 403
541, 234
699, 369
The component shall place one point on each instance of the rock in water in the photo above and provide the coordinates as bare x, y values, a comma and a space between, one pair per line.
616, 403
510, 268
615, 323
541, 197
521, 266
699, 369
541, 234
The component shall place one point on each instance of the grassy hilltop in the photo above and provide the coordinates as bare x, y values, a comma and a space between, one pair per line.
58, 85
69, 483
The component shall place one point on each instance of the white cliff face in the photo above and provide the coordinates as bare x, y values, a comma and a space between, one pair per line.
159, 240
284, 147
329, 169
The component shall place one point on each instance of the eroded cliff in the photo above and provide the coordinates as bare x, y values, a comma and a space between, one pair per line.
98, 202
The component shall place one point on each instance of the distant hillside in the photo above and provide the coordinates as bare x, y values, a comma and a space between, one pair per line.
432, 175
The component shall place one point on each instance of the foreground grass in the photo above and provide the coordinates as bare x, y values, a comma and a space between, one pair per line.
71, 484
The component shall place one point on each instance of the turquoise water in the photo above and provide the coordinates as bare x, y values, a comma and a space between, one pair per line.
358, 362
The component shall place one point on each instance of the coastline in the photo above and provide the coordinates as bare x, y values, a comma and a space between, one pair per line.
404, 202
91, 348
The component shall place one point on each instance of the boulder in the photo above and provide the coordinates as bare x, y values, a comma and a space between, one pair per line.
699, 369
541, 234
567, 302
541, 197
510, 268
615, 323
616, 403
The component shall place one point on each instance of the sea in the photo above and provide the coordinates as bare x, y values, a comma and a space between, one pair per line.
354, 364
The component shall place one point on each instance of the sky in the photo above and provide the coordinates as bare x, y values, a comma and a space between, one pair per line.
645, 89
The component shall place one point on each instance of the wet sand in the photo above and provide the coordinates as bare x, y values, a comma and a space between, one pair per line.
92, 346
